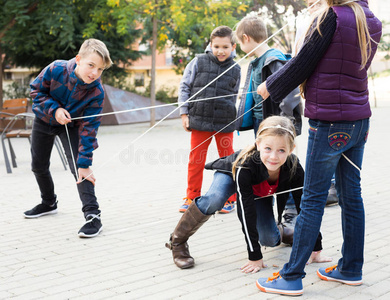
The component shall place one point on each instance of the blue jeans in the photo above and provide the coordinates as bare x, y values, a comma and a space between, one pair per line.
222, 187
256, 125
42, 142
327, 142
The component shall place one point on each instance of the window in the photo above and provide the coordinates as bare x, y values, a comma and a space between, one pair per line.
139, 79
7, 76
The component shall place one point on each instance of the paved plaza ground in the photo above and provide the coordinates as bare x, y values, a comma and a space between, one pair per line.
140, 186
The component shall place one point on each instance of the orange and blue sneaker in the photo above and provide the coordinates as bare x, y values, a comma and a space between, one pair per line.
277, 285
185, 205
228, 207
333, 274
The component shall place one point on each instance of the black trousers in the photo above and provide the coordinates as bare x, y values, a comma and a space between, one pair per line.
42, 142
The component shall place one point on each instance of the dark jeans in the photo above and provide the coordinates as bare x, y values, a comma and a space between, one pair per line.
42, 142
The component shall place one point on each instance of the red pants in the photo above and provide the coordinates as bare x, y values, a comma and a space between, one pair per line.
200, 141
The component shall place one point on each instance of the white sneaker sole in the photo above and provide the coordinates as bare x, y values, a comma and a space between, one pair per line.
52, 212
349, 282
83, 235
280, 292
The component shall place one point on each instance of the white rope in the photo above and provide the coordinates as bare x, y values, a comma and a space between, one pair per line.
282, 192
210, 137
157, 106
71, 151
350, 161
193, 96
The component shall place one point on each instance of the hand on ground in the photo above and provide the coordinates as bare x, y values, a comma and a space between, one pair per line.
253, 266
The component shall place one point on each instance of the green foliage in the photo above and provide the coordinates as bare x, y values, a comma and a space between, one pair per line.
166, 94
276, 14
384, 44
35, 33
17, 90
191, 23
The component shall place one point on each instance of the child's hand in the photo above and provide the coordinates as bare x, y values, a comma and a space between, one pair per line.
87, 174
316, 257
186, 122
62, 116
253, 266
262, 90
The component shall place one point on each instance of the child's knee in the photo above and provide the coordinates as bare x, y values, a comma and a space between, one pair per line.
270, 240
208, 205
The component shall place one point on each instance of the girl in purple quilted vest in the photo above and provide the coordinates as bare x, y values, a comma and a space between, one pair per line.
331, 68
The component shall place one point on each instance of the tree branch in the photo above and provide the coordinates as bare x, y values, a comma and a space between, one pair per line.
11, 23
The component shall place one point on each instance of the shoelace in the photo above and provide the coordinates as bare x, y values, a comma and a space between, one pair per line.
274, 277
330, 269
229, 203
188, 201
93, 217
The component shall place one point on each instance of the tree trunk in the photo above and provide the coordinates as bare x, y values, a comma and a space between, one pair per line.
153, 71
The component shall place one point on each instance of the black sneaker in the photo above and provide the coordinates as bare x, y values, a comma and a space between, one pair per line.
41, 210
92, 226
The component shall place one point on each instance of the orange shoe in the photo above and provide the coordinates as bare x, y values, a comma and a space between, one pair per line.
185, 205
228, 207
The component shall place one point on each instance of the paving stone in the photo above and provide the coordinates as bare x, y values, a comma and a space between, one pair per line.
140, 190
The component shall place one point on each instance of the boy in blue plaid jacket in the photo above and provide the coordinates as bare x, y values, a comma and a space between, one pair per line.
65, 90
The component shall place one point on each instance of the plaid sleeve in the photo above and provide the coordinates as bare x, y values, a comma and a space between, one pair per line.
88, 129
44, 106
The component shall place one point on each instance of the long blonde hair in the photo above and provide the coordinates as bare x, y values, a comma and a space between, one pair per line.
271, 126
361, 26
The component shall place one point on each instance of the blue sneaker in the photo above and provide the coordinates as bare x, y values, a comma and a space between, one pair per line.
185, 205
228, 207
278, 285
333, 274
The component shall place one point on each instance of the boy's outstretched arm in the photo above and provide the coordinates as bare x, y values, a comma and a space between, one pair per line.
262, 90
87, 174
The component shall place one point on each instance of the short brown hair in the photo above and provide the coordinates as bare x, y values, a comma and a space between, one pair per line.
222, 31
253, 27
96, 46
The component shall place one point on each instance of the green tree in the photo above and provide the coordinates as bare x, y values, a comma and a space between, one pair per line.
182, 24
276, 14
34, 33
191, 22
384, 44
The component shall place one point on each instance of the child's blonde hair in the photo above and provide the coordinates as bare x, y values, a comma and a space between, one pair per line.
253, 27
271, 126
361, 26
96, 46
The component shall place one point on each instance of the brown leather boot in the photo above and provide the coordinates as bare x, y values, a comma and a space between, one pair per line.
189, 223
286, 234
